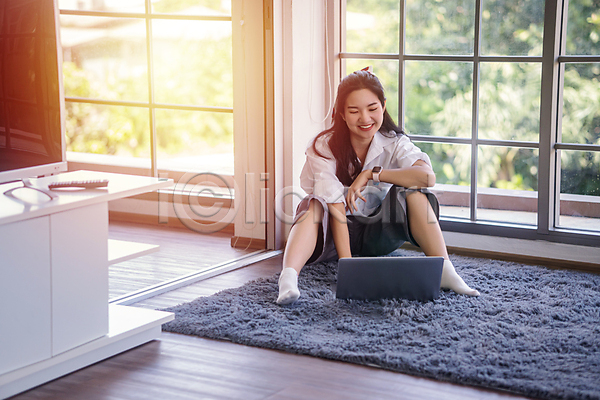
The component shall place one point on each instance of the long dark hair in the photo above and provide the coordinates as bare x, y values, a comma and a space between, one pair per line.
348, 165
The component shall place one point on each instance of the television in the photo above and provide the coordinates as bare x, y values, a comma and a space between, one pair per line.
32, 127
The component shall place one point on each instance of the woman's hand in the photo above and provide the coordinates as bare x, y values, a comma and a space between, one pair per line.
355, 190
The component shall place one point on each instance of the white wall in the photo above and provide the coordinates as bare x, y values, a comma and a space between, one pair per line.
301, 100
248, 116
302, 86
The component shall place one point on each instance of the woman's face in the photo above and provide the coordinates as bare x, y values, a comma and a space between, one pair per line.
363, 114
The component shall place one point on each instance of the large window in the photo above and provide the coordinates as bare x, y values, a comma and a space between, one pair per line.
503, 95
149, 83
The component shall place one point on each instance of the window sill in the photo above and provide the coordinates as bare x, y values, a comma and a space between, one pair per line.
216, 170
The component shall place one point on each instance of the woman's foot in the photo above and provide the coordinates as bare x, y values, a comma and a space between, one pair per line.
288, 286
451, 280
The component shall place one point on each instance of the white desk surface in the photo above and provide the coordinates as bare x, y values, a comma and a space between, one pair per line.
119, 186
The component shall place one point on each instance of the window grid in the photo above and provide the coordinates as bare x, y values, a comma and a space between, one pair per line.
151, 105
548, 192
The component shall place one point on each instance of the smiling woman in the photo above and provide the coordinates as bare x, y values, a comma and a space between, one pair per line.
367, 191
513, 139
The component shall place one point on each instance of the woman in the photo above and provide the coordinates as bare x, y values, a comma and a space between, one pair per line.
366, 184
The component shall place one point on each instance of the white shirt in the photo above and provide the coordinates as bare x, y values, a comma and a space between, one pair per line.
318, 174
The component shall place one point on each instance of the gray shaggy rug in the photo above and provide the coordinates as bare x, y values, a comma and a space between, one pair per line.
534, 331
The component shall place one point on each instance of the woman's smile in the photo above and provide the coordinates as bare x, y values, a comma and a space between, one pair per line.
363, 114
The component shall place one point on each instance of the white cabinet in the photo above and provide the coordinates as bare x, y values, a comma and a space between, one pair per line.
79, 276
54, 311
25, 297
54, 287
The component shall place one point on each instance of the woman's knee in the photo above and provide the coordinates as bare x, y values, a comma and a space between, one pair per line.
314, 212
419, 206
416, 195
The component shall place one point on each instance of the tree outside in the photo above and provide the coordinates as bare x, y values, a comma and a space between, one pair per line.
192, 66
439, 94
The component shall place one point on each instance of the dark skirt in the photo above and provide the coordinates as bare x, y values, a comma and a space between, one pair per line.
378, 234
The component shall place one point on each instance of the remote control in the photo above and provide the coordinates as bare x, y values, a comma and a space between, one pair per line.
95, 183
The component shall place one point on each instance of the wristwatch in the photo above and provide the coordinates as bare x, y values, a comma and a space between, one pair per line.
376, 171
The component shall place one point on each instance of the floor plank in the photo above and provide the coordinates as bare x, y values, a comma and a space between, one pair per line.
182, 252
179, 367
184, 367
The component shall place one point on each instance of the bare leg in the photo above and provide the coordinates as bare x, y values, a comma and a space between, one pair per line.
428, 234
424, 225
303, 238
300, 246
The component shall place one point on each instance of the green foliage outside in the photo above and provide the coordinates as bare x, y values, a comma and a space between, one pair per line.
439, 95
101, 129
194, 72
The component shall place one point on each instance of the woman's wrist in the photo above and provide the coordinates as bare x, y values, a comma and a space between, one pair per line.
375, 174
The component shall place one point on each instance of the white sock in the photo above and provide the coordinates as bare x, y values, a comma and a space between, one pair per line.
451, 280
288, 286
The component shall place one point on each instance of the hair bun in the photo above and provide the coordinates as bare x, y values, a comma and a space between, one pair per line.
369, 69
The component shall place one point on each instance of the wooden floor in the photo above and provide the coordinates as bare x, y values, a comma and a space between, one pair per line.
182, 252
185, 367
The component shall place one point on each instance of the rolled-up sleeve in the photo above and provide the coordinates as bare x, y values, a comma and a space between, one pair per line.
318, 175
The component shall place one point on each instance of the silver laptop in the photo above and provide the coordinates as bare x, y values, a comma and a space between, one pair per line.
374, 278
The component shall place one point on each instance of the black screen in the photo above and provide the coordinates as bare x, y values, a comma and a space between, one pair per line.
30, 111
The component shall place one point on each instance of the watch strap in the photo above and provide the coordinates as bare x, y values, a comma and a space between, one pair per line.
376, 171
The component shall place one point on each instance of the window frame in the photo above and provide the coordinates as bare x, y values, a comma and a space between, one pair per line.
151, 105
552, 63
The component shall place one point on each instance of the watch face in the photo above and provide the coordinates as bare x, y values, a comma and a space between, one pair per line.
376, 169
